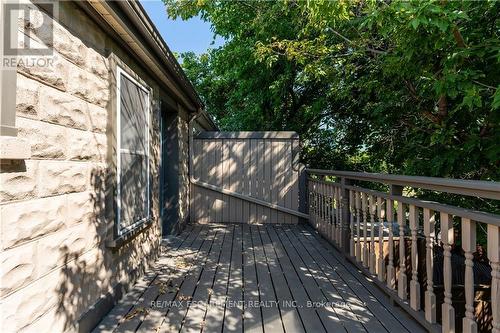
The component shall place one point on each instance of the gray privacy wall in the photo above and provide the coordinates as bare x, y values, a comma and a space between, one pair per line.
259, 165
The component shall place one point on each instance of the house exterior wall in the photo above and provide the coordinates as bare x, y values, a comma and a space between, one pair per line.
57, 207
178, 183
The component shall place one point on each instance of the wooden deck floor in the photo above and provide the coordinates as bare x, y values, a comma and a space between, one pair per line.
236, 278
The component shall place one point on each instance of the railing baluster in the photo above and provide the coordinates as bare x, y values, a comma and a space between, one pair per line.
447, 237
358, 227
366, 249
469, 246
315, 204
339, 219
314, 207
494, 256
335, 214
315, 199
331, 213
318, 211
381, 259
402, 280
373, 257
430, 297
328, 221
330, 218
312, 203
414, 284
351, 210
322, 208
328, 212
390, 266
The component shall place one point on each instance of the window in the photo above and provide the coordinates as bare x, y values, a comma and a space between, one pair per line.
133, 153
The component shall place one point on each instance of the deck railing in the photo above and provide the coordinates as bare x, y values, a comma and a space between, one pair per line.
425, 255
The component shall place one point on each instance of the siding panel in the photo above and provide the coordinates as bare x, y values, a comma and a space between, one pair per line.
259, 167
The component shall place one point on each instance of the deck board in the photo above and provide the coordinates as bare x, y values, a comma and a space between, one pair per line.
195, 315
227, 271
395, 317
175, 318
310, 318
252, 316
346, 317
268, 294
233, 314
214, 318
118, 314
179, 268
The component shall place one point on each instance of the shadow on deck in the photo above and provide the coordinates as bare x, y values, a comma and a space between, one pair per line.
272, 278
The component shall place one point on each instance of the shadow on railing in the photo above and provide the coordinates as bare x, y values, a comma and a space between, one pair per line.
439, 262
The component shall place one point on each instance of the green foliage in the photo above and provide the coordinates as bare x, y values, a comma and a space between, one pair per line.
407, 87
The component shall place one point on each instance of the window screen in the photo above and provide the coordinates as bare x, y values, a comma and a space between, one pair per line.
133, 170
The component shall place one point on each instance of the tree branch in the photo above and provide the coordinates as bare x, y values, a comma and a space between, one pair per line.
351, 42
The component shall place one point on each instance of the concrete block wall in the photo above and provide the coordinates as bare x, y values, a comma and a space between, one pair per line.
56, 207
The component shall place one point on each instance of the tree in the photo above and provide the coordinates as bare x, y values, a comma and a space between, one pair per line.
409, 87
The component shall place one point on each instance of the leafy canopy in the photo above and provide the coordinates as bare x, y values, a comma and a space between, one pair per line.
403, 86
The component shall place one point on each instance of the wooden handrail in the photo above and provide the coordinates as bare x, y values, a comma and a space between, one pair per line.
477, 188
475, 215
249, 198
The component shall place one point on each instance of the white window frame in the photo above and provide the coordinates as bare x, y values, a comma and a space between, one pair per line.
119, 72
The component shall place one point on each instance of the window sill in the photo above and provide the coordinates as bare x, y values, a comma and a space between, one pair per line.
14, 148
124, 238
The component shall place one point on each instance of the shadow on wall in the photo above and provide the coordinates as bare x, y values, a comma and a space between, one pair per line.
87, 275
89, 269
93, 275
263, 169
90, 275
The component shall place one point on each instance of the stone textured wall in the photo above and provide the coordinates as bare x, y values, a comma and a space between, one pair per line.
54, 213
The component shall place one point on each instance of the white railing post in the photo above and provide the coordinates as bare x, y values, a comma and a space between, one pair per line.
494, 256
469, 246
358, 228
338, 227
345, 215
381, 259
373, 257
330, 213
315, 206
430, 297
402, 280
447, 237
366, 249
321, 226
414, 284
322, 208
391, 277
352, 219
